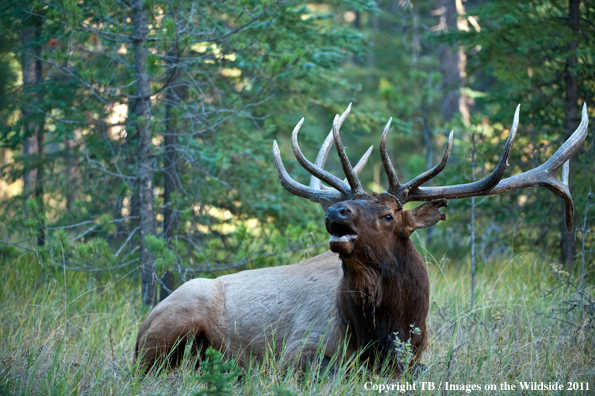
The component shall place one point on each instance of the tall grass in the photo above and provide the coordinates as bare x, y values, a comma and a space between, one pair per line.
64, 332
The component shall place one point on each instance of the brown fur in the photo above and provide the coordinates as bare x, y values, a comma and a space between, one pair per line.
385, 288
376, 289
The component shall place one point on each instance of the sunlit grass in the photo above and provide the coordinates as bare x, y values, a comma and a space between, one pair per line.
63, 332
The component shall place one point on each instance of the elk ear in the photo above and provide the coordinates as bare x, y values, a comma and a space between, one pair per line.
423, 216
326, 203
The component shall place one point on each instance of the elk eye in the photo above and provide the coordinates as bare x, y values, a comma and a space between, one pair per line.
388, 217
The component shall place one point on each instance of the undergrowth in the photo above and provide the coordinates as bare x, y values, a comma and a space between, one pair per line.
64, 332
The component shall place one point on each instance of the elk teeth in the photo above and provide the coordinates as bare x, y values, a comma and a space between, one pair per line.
344, 238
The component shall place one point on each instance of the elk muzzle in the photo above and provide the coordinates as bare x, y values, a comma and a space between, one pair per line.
339, 221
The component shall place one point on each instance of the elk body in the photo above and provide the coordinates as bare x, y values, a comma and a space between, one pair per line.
370, 288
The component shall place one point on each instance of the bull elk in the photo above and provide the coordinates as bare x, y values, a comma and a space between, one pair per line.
370, 288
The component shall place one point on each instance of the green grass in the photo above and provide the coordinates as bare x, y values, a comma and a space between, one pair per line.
63, 332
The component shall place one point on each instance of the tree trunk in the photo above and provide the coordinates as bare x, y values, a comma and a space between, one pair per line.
145, 168
29, 80
170, 219
72, 169
5, 155
131, 147
428, 140
33, 122
40, 135
453, 61
571, 120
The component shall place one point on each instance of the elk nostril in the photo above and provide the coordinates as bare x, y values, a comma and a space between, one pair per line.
345, 212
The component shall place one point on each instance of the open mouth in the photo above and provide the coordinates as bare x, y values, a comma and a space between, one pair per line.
341, 233
344, 238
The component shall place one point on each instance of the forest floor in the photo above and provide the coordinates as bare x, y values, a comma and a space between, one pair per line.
65, 332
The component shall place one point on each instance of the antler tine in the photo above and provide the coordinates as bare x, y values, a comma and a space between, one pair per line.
494, 178
297, 188
321, 159
356, 185
429, 174
570, 147
393, 181
357, 168
562, 157
567, 198
363, 161
566, 173
314, 170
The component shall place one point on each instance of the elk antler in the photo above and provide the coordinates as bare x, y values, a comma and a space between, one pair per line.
544, 175
341, 190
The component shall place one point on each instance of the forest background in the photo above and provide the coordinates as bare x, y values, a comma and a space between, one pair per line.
135, 139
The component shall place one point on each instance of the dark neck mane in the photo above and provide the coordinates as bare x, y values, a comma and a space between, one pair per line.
381, 296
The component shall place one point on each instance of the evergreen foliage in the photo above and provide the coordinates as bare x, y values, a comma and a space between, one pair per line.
217, 376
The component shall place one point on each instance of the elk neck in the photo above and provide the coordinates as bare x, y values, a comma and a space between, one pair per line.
383, 293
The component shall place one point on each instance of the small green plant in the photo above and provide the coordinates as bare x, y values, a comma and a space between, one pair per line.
217, 375
403, 349
575, 305
278, 391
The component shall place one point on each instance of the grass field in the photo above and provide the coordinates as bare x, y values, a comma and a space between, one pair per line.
64, 332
